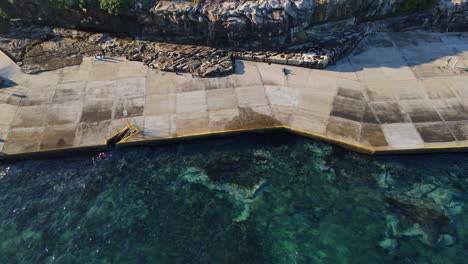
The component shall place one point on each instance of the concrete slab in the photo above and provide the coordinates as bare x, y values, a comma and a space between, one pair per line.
221, 99
408, 89
398, 73
118, 124
379, 90
3, 138
12, 97
30, 116
96, 111
65, 95
219, 119
316, 103
23, 140
309, 121
420, 111
350, 93
343, 129
160, 83
128, 88
459, 130
460, 86
282, 96
132, 106
370, 73
219, 83
389, 112
43, 81
438, 88
71, 74
192, 123
434, 132
7, 114
319, 82
369, 117
347, 84
186, 83
130, 69
101, 70
372, 135
38, 98
406, 100
251, 96
247, 74
90, 134
253, 118
64, 114
158, 104
452, 109
160, 126
402, 135
283, 113
296, 77
99, 90
348, 108
191, 102
58, 137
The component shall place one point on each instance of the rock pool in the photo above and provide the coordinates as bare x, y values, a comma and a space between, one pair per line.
271, 198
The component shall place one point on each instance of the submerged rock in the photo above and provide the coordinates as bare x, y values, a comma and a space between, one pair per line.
239, 195
384, 180
388, 243
417, 231
445, 240
430, 207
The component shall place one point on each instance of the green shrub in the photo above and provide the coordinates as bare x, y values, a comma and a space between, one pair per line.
4, 15
116, 7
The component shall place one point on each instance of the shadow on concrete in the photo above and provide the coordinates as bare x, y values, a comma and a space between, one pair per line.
109, 59
19, 95
438, 51
239, 67
105, 60
6, 83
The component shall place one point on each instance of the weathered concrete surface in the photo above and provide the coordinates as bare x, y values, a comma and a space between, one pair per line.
393, 93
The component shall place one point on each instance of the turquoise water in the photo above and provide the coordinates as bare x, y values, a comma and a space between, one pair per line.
272, 198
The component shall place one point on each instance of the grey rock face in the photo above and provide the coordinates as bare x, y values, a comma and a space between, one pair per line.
239, 23
264, 20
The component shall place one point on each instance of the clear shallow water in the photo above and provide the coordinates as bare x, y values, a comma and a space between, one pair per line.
271, 198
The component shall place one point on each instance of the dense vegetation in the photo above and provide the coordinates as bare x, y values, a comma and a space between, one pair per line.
115, 7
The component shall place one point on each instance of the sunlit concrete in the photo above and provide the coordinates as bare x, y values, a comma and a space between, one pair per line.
396, 91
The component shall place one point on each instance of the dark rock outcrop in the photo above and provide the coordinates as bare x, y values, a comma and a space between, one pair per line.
38, 49
429, 207
266, 23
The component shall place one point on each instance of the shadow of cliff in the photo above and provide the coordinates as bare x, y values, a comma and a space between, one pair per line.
441, 53
6, 83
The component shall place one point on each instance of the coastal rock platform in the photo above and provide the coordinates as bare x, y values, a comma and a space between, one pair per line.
396, 92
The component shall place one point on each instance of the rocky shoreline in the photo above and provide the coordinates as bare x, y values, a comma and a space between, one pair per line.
42, 48
36, 49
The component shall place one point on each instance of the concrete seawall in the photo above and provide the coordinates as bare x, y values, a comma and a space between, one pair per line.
394, 94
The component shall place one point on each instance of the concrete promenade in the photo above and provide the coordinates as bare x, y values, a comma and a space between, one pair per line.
393, 93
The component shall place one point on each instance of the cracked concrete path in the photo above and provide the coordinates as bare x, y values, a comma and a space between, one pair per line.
395, 92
